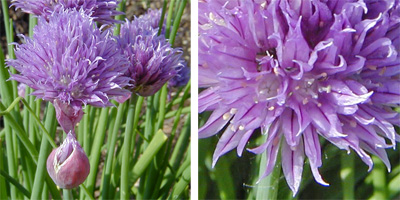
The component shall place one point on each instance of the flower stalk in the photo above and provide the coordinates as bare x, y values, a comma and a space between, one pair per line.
347, 175
268, 187
130, 133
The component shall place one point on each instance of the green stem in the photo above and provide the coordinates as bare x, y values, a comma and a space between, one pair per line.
10, 158
3, 189
138, 109
12, 105
223, 177
347, 175
181, 148
149, 120
50, 124
8, 26
148, 155
121, 7
46, 133
86, 192
96, 149
379, 179
67, 194
181, 185
169, 18
177, 21
161, 23
6, 87
32, 128
161, 108
32, 24
110, 153
181, 145
13, 181
86, 134
185, 110
267, 188
129, 133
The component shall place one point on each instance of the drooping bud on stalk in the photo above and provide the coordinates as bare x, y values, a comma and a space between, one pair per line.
68, 164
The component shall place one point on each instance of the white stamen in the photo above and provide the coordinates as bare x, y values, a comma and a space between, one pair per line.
226, 116
233, 111
271, 108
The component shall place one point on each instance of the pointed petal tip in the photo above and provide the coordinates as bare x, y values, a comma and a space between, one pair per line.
294, 190
239, 152
215, 160
370, 167
323, 183
214, 163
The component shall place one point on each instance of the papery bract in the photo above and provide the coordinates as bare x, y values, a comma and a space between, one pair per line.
68, 164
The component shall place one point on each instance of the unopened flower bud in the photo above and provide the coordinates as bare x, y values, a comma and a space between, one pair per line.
68, 164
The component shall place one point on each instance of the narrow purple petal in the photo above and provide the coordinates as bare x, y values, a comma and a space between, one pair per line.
228, 141
290, 127
312, 149
218, 119
292, 165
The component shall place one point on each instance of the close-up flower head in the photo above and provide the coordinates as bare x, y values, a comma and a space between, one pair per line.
102, 11
153, 61
70, 62
298, 71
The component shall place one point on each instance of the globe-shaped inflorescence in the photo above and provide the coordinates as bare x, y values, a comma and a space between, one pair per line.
71, 63
153, 61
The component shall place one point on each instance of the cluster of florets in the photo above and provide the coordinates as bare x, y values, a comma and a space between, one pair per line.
71, 63
298, 70
153, 60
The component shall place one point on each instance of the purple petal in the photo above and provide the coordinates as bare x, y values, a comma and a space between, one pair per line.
290, 127
312, 149
271, 153
381, 153
228, 141
292, 165
218, 119
243, 141
326, 121
208, 100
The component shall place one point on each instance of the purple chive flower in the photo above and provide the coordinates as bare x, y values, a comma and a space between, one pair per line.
70, 63
181, 78
152, 59
68, 164
152, 17
102, 11
300, 70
